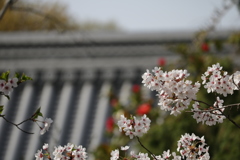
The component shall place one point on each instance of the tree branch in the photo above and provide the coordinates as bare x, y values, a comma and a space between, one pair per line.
202, 102
4, 8
17, 125
219, 109
214, 109
7, 4
146, 148
230, 119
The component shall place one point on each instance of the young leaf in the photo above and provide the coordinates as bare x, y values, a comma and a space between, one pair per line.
22, 78
5, 75
37, 113
25, 77
17, 75
1, 109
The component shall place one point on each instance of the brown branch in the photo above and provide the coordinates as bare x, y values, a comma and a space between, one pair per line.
235, 83
228, 117
7, 4
202, 102
214, 109
4, 8
219, 109
146, 148
17, 125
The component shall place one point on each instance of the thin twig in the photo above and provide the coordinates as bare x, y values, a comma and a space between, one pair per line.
214, 109
202, 102
146, 148
17, 125
4, 8
228, 117
219, 109
235, 83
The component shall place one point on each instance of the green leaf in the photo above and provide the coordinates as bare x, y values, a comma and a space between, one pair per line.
4, 76
37, 113
25, 77
1, 109
17, 75
22, 78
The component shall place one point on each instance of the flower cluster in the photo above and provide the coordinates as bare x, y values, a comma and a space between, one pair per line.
193, 147
190, 147
166, 156
69, 151
134, 127
210, 116
219, 81
139, 156
7, 86
236, 80
174, 91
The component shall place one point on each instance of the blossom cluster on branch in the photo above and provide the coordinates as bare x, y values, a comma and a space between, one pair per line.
176, 93
134, 127
67, 152
6, 86
190, 147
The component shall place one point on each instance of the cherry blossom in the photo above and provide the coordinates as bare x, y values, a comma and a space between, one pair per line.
124, 148
47, 123
174, 91
7, 86
209, 118
139, 156
134, 127
193, 147
13, 82
219, 81
39, 155
166, 156
68, 151
236, 79
45, 146
114, 155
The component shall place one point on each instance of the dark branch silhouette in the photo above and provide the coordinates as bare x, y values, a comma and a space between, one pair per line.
7, 4
17, 125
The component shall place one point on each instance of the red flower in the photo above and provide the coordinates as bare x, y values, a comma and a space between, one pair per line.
161, 61
110, 124
136, 88
143, 109
205, 47
114, 102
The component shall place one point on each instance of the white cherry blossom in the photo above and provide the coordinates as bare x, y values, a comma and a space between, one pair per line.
174, 91
134, 127
114, 155
193, 147
47, 123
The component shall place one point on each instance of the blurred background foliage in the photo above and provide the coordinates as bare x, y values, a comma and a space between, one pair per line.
166, 129
37, 16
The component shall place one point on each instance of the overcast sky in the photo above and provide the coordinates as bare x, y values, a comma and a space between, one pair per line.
153, 15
